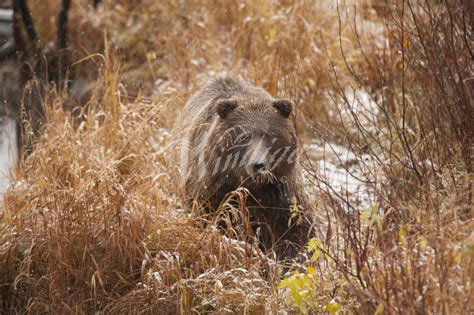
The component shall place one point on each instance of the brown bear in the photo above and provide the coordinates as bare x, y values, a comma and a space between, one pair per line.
237, 135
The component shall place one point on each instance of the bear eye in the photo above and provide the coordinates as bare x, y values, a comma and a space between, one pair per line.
243, 138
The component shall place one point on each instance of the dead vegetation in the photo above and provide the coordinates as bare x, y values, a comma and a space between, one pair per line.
94, 220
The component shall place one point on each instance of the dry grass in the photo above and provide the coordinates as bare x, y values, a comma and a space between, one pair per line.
94, 220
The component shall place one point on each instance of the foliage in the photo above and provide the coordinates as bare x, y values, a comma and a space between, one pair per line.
94, 222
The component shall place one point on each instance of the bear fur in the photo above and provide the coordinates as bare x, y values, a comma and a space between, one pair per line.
238, 135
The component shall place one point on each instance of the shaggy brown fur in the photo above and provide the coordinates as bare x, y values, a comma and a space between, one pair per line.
237, 135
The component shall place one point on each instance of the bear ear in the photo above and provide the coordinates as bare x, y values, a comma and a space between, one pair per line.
224, 107
283, 106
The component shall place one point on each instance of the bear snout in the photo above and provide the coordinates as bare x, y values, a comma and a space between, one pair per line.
258, 166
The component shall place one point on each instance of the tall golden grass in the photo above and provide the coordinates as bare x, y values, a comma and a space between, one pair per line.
94, 220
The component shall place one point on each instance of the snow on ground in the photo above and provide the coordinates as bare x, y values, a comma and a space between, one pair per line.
343, 173
8, 150
358, 103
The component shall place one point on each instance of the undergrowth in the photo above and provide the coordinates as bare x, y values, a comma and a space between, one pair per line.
94, 221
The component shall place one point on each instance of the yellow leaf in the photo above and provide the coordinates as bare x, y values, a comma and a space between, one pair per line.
311, 270
271, 35
294, 201
283, 284
311, 82
365, 215
468, 250
303, 308
422, 242
312, 246
306, 285
316, 255
151, 56
380, 309
272, 32
457, 258
403, 233
373, 209
333, 307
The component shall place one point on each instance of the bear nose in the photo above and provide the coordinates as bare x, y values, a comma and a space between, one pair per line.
258, 166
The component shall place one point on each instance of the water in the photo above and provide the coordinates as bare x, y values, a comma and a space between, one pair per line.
8, 150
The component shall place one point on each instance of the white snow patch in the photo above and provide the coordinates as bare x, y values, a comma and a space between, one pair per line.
344, 172
358, 103
8, 150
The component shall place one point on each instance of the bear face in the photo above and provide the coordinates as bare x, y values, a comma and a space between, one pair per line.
255, 141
